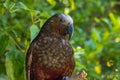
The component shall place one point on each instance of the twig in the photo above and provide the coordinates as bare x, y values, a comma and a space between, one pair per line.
79, 76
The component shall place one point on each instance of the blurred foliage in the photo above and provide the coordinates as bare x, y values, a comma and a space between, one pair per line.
96, 39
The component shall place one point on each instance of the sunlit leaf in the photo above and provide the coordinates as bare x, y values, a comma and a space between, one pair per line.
116, 22
34, 31
97, 20
97, 69
23, 6
72, 4
52, 2
67, 11
112, 18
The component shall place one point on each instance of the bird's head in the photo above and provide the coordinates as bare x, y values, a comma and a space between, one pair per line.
60, 25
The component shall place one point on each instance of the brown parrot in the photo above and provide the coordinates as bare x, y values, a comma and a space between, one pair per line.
50, 55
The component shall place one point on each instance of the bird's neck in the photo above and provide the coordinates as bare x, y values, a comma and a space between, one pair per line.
41, 35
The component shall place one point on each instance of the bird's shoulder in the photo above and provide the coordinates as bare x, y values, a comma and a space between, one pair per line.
52, 42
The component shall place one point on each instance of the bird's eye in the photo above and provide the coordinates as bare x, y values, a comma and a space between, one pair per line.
61, 20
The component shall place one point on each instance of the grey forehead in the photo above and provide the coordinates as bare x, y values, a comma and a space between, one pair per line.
66, 18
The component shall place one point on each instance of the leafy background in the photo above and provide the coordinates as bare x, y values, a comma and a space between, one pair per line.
96, 39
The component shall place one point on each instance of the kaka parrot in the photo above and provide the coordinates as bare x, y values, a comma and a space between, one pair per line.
50, 55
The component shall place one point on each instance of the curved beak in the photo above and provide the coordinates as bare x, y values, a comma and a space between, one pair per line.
69, 30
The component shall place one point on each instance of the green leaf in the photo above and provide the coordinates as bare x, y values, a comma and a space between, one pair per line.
116, 22
90, 45
4, 40
14, 64
80, 65
96, 35
52, 2
2, 10
3, 77
34, 12
33, 31
112, 17
23, 6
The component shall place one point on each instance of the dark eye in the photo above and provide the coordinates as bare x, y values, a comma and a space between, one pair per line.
61, 20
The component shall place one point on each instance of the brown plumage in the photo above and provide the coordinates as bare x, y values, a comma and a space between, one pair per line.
50, 56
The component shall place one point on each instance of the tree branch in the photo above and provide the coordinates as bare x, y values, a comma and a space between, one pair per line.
79, 76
